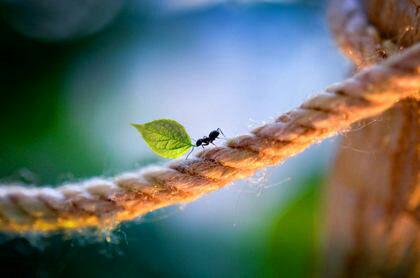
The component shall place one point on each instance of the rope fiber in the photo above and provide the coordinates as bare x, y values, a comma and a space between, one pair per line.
100, 202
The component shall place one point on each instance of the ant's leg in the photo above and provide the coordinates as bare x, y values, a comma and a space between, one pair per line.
213, 144
189, 153
222, 138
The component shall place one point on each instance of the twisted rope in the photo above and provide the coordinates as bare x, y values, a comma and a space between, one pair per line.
105, 202
356, 37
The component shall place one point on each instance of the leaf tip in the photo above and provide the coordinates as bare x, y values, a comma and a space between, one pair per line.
137, 126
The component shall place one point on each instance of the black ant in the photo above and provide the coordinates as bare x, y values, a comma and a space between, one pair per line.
207, 140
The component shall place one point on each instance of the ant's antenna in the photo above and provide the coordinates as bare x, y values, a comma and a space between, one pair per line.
190, 152
218, 129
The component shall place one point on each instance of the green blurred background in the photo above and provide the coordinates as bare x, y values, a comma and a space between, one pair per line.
75, 74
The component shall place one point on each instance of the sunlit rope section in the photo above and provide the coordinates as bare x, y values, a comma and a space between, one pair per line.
106, 202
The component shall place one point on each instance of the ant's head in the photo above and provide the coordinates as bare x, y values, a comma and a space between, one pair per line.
214, 134
199, 142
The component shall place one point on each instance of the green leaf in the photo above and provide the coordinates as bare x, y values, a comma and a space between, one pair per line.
165, 137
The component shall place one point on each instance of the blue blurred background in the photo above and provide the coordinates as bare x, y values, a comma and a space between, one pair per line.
75, 74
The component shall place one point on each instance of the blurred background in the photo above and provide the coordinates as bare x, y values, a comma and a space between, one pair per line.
75, 75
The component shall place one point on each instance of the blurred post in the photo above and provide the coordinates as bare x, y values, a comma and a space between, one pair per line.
373, 199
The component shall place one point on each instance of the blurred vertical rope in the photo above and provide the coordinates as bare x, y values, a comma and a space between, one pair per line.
373, 200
